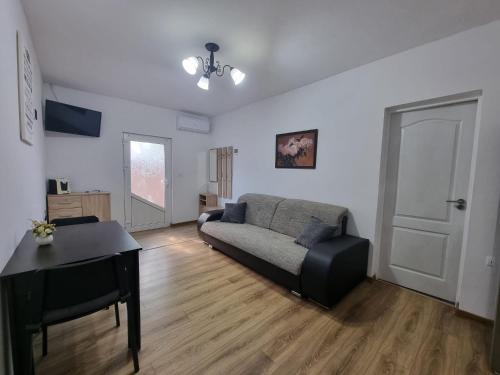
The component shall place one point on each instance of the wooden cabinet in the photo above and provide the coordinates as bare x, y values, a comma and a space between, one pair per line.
79, 204
207, 202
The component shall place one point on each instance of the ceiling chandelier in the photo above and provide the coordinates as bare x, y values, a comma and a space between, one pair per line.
209, 66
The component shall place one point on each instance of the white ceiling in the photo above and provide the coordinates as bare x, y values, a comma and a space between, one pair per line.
133, 49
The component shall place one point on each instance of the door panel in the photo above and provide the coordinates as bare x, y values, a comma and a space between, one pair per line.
147, 171
421, 224
428, 153
419, 251
146, 215
429, 157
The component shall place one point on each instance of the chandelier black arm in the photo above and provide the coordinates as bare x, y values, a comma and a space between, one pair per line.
222, 70
205, 70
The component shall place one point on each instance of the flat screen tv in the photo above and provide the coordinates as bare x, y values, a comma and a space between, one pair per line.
65, 118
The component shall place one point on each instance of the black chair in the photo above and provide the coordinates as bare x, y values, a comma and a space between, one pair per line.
68, 292
75, 220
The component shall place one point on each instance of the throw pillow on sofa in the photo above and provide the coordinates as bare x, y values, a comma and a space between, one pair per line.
234, 213
314, 232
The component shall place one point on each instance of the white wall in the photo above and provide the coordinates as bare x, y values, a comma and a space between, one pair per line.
22, 173
97, 163
348, 109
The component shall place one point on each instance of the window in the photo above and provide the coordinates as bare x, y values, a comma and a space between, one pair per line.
147, 170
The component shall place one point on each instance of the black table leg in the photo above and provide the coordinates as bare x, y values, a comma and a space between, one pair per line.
134, 307
21, 340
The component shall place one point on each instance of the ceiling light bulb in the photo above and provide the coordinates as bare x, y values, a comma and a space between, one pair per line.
203, 82
190, 65
237, 75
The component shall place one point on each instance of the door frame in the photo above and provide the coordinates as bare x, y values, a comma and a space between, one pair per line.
471, 96
127, 209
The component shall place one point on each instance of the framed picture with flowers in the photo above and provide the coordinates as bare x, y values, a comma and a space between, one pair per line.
297, 149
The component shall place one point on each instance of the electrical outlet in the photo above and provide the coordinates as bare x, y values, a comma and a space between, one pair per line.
490, 261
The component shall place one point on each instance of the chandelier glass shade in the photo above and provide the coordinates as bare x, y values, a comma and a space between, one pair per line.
204, 82
210, 67
237, 75
190, 65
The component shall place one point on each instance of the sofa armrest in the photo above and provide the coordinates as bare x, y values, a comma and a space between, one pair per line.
209, 216
332, 268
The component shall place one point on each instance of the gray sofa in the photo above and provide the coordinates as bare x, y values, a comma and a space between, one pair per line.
265, 243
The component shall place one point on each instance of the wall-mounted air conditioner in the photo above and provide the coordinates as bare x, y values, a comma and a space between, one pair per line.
193, 123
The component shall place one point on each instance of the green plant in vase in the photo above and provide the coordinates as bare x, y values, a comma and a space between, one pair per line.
43, 232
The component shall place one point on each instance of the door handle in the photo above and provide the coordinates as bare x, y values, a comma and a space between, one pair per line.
460, 203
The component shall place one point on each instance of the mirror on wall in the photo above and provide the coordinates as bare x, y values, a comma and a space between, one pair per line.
212, 156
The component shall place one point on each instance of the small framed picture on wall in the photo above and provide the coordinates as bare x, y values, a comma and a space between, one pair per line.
297, 149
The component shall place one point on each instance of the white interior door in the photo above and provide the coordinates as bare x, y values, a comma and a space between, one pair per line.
147, 171
429, 158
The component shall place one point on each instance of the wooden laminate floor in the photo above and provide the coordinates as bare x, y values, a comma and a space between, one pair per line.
203, 313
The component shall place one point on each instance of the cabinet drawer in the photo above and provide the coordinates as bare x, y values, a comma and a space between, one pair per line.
65, 213
63, 202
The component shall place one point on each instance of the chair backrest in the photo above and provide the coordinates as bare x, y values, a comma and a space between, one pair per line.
76, 283
75, 220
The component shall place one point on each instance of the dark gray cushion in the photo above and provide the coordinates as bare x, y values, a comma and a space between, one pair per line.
314, 232
234, 213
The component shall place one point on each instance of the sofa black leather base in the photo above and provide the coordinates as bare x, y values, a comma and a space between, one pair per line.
329, 271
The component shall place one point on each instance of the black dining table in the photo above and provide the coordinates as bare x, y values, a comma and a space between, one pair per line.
72, 243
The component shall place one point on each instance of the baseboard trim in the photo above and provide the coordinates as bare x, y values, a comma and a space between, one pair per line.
182, 223
468, 315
